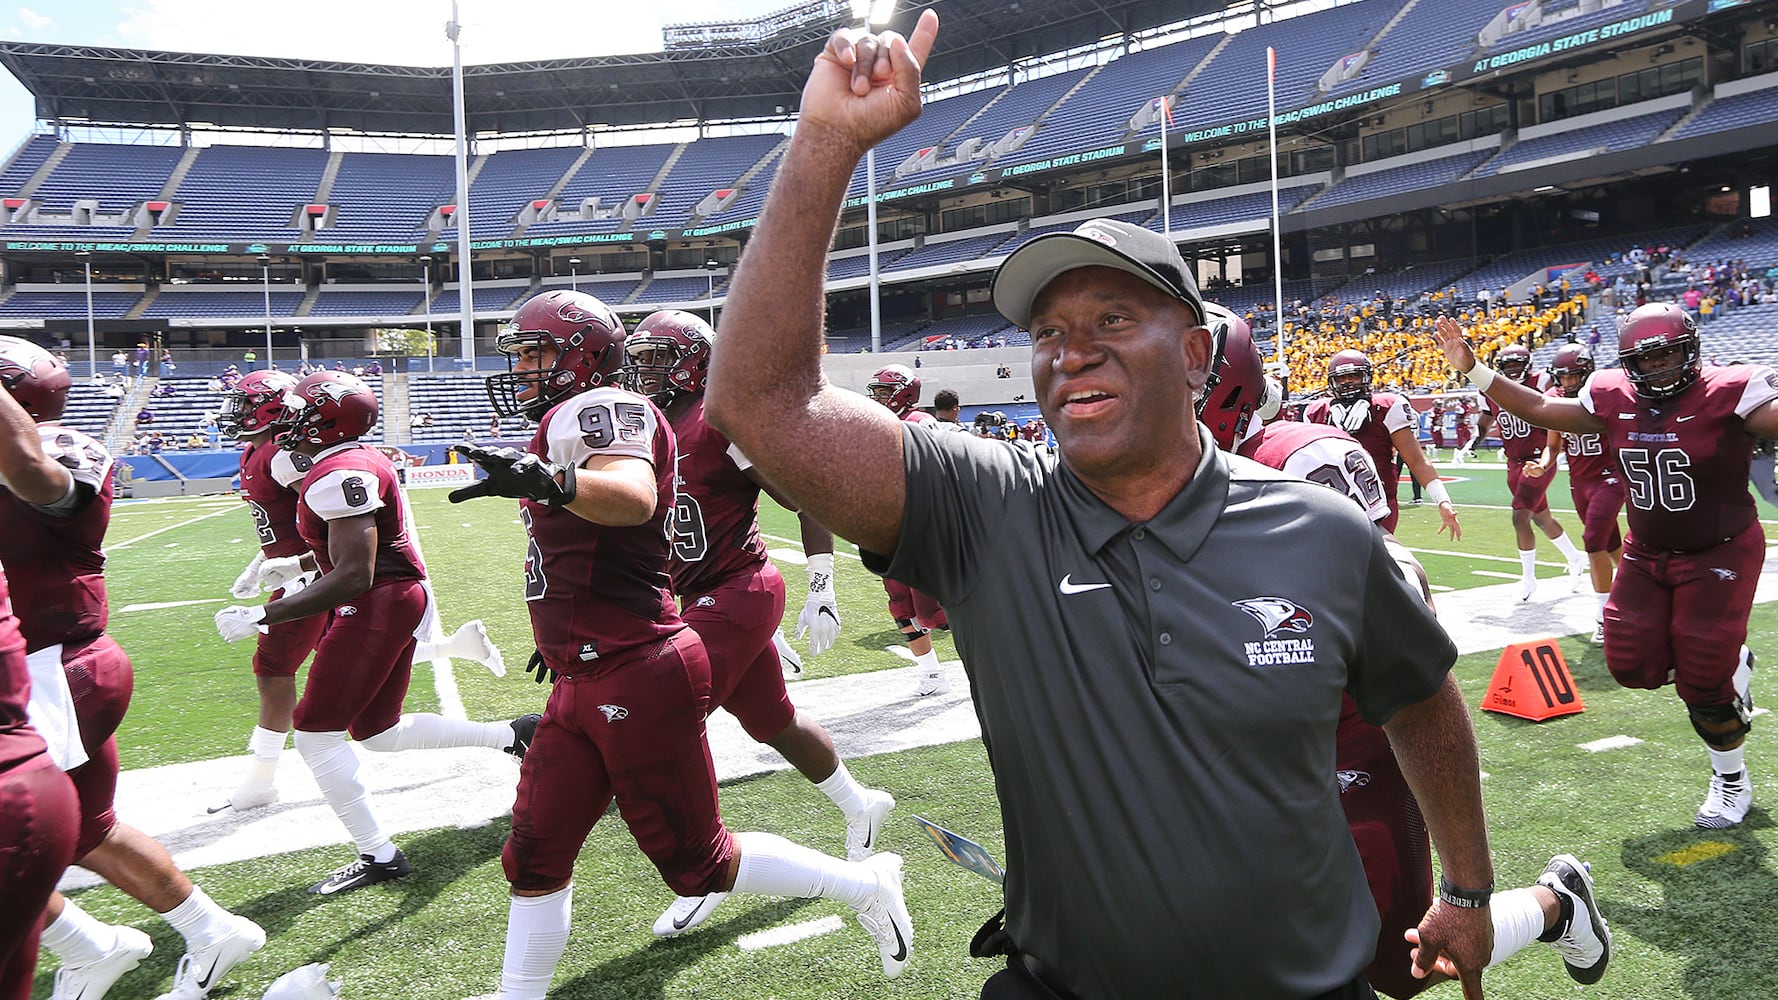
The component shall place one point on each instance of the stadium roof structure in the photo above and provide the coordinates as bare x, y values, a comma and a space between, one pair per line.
739, 70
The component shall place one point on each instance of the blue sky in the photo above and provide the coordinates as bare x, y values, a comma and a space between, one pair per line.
395, 32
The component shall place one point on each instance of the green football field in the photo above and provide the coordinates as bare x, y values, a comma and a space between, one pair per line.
1690, 908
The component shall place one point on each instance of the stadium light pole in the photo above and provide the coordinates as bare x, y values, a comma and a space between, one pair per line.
710, 267
265, 277
574, 274
465, 269
873, 15
92, 350
426, 297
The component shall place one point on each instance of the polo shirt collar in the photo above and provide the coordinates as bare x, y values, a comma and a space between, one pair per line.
1181, 525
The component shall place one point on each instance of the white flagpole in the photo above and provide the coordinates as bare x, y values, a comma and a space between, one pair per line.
1277, 229
465, 284
1166, 178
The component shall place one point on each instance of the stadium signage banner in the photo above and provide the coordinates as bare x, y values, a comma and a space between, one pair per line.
1571, 43
75, 247
419, 476
1072, 159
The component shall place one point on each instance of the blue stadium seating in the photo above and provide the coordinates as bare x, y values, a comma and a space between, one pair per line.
387, 196
457, 403
1099, 113
1233, 85
1573, 25
118, 176
856, 267
1255, 207
1757, 107
1759, 249
1609, 137
1433, 34
70, 304
685, 289
30, 156
245, 303
968, 248
509, 181
362, 303
1014, 240
937, 121
705, 166
89, 410
1017, 106
245, 192
497, 299
613, 173
1398, 180
1743, 334
752, 198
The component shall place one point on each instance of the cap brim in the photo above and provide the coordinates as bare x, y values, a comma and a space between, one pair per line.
1032, 267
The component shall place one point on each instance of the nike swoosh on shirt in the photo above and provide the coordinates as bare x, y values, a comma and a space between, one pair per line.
1681, 420
1068, 586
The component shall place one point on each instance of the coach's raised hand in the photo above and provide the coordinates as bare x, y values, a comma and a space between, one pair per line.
865, 86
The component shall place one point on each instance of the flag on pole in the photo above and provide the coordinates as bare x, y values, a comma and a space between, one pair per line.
1166, 106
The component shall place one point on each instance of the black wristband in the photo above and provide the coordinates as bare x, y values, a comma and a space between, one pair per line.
1468, 899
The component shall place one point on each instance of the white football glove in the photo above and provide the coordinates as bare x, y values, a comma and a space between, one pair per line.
246, 585
237, 622
820, 617
276, 574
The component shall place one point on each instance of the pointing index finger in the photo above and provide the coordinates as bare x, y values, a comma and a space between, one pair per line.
925, 33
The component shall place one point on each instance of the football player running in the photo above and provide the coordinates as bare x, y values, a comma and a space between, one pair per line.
270, 477
55, 500
1381, 810
1592, 480
373, 594
1682, 433
1384, 424
915, 613
625, 718
1522, 446
731, 593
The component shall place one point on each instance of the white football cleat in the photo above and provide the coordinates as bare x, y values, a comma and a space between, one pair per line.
1585, 943
787, 657
933, 683
885, 916
253, 796
687, 912
307, 983
1579, 571
201, 968
92, 980
864, 828
1599, 634
469, 642
1527, 587
1727, 803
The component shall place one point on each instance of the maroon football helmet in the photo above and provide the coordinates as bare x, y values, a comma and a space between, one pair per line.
1652, 329
896, 387
1237, 383
588, 340
326, 408
1513, 361
255, 403
1571, 361
668, 356
1349, 362
34, 377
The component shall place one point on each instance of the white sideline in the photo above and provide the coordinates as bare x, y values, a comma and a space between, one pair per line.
868, 714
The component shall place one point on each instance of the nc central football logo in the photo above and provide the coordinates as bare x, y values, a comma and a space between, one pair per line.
614, 712
1275, 614
335, 391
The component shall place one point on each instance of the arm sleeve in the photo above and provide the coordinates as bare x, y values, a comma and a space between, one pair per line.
343, 493
602, 421
1404, 653
958, 488
1761, 388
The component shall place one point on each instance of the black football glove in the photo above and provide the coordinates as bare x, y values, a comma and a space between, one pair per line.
540, 668
516, 474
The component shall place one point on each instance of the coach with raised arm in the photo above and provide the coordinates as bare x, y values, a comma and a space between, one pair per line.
1158, 697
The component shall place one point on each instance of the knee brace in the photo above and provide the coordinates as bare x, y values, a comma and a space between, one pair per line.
911, 628
1721, 726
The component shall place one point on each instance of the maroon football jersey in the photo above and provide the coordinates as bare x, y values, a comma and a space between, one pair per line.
56, 562
1684, 459
1587, 462
1388, 413
1320, 454
15, 684
350, 479
595, 590
716, 515
269, 476
1519, 441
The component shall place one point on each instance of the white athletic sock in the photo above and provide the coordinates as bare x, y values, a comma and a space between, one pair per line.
773, 866
536, 937
1566, 547
844, 790
1518, 920
927, 662
77, 938
426, 731
1602, 596
1528, 563
1729, 761
335, 768
197, 919
265, 743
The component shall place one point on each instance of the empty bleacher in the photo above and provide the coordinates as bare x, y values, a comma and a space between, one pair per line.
705, 166
199, 302
1753, 107
89, 409
1233, 85
457, 404
937, 121
387, 196
613, 174
30, 156
245, 192
1432, 34
69, 303
509, 181
118, 177
367, 303
1393, 181
1591, 140
1018, 106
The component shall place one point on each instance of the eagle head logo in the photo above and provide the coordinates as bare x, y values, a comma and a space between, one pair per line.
1275, 614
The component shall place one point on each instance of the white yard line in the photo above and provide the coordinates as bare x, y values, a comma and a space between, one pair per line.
799, 545
1485, 558
171, 527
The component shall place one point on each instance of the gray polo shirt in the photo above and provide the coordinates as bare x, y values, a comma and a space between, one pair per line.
1159, 703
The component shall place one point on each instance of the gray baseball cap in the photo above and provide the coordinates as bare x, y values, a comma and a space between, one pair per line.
1096, 243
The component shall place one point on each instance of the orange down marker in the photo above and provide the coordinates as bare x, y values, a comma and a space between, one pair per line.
1532, 682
